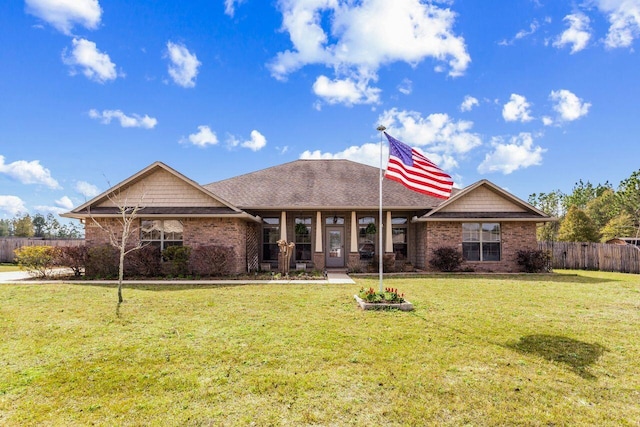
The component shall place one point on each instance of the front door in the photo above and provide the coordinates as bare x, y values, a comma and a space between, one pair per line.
335, 247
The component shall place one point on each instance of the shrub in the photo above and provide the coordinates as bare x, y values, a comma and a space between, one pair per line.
534, 261
39, 261
176, 260
143, 262
211, 260
446, 258
74, 257
102, 262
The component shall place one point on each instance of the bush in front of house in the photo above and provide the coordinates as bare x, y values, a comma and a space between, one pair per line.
102, 262
176, 260
446, 258
211, 260
39, 261
534, 261
73, 257
143, 262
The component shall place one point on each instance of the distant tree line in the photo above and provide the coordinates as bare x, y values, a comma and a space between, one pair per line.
591, 213
38, 225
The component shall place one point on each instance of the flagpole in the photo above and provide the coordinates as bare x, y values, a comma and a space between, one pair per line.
380, 249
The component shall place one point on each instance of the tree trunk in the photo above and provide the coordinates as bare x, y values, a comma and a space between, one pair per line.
120, 273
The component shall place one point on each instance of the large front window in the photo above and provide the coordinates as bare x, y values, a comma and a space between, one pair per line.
161, 233
303, 238
367, 237
481, 241
270, 237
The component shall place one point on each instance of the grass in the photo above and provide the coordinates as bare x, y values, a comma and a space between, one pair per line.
560, 349
8, 267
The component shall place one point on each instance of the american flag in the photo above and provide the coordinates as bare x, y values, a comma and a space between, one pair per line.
415, 171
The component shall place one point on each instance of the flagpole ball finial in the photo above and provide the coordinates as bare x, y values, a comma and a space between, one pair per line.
381, 128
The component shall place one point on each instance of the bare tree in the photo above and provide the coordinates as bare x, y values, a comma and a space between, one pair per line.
123, 232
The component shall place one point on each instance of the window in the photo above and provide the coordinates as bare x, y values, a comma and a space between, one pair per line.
399, 237
270, 237
367, 237
161, 233
481, 241
334, 220
303, 238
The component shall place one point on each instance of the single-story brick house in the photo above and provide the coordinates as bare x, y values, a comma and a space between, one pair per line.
328, 208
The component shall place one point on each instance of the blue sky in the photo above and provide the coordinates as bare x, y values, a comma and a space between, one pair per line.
530, 94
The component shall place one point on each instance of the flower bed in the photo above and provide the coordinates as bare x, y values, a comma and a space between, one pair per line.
369, 299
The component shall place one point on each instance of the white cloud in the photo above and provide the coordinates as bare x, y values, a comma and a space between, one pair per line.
12, 205
346, 91
508, 157
95, 65
134, 121
547, 121
568, 106
50, 209
29, 173
624, 19
64, 14
65, 203
405, 87
348, 37
441, 135
256, 143
230, 6
183, 68
533, 27
368, 154
205, 136
468, 103
517, 109
86, 189
577, 35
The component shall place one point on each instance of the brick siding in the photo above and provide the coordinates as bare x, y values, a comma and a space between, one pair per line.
514, 237
230, 232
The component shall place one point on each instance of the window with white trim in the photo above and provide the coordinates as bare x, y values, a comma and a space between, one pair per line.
481, 241
161, 232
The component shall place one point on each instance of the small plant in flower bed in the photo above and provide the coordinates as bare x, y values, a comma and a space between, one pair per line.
390, 295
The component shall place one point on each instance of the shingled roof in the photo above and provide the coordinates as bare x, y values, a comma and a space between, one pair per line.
318, 184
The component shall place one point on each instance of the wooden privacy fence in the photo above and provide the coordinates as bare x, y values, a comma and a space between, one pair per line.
9, 244
593, 256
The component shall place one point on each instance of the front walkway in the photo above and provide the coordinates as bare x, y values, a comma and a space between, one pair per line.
334, 278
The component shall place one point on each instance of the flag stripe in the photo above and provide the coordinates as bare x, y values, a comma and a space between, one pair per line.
416, 172
417, 175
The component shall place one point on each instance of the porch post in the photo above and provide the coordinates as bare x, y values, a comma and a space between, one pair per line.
319, 231
354, 232
388, 235
283, 226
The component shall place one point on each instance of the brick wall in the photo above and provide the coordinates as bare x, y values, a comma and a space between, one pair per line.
99, 235
514, 237
220, 232
197, 232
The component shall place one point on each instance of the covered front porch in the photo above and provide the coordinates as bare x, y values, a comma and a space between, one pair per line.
337, 239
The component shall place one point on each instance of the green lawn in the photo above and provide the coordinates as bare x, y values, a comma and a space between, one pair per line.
9, 267
560, 349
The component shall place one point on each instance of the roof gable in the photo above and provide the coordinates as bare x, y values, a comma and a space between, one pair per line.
157, 185
485, 200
